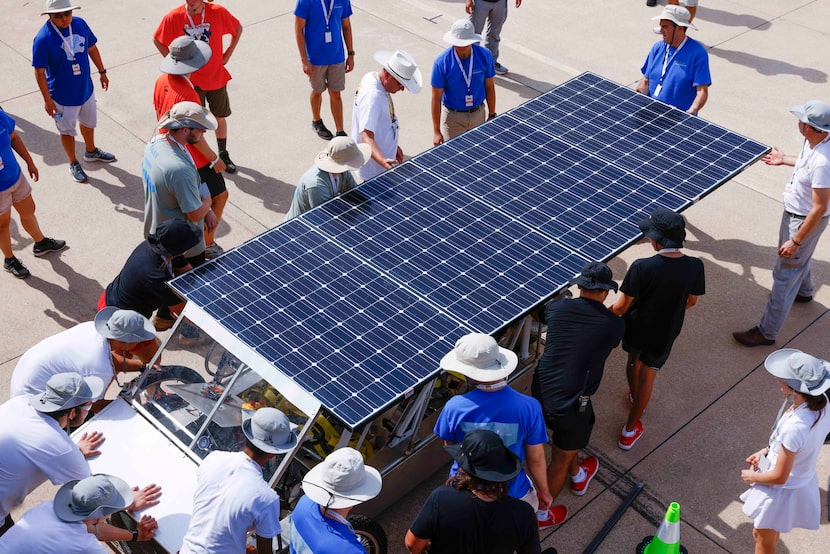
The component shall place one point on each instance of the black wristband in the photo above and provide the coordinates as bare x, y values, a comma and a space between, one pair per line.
491, 116
102, 72
795, 242
135, 536
350, 52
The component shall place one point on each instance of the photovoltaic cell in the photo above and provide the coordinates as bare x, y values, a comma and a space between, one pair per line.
358, 299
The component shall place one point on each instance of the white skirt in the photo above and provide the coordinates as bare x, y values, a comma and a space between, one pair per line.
781, 509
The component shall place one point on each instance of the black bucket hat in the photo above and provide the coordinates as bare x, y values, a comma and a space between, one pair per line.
482, 454
595, 275
173, 237
665, 227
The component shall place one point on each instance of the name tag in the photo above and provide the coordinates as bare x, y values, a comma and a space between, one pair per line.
657, 90
328, 36
76, 69
468, 100
1, 164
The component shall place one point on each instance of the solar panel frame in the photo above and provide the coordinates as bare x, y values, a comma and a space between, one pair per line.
357, 299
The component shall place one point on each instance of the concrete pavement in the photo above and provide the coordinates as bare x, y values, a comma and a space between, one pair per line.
713, 403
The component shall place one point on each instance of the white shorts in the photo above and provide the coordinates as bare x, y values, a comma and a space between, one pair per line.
70, 116
16, 193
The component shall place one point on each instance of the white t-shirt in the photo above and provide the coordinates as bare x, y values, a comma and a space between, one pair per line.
231, 499
374, 111
79, 349
812, 171
40, 531
33, 448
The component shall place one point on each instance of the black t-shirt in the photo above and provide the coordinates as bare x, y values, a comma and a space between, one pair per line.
581, 334
459, 523
141, 285
660, 286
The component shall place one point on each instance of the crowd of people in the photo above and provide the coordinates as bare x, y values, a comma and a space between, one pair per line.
495, 436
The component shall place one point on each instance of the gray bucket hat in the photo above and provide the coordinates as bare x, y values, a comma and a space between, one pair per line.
479, 357
186, 55
96, 496
462, 33
800, 371
343, 154
814, 113
270, 431
342, 480
67, 390
124, 325
188, 115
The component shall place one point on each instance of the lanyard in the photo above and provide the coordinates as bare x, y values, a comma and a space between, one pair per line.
67, 41
187, 13
335, 188
468, 75
181, 147
668, 61
327, 13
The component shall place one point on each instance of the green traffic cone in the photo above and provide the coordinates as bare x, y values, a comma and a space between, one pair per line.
667, 540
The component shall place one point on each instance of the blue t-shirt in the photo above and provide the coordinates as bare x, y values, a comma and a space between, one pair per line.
319, 51
515, 417
49, 52
314, 533
446, 74
687, 69
10, 173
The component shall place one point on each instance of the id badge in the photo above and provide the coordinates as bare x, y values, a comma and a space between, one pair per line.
328, 37
657, 90
76, 69
468, 100
1, 164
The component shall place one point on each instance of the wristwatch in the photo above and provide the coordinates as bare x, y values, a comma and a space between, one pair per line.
135, 536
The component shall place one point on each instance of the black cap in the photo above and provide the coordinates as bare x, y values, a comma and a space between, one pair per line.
665, 227
482, 454
595, 275
173, 237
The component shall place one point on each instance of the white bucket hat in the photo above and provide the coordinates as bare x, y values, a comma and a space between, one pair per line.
96, 496
402, 67
190, 115
814, 113
342, 480
343, 154
186, 55
270, 431
800, 371
67, 390
479, 357
462, 33
676, 14
58, 6
123, 325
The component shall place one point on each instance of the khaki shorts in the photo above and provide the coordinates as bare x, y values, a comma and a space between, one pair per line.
531, 497
217, 100
85, 114
454, 123
332, 77
16, 193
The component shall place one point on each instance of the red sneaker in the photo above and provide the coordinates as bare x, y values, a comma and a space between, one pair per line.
590, 465
627, 442
556, 515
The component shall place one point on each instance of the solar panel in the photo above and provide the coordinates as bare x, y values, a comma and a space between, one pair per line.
358, 299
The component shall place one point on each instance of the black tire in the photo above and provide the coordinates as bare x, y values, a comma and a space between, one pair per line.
180, 373
370, 534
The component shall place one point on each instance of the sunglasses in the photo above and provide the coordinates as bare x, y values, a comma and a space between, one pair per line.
61, 15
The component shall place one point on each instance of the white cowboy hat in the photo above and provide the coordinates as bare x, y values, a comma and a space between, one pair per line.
402, 67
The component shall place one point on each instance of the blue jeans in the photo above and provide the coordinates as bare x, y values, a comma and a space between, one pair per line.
791, 276
494, 14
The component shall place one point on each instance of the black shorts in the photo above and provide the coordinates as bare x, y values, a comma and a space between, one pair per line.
652, 357
214, 181
572, 430
217, 101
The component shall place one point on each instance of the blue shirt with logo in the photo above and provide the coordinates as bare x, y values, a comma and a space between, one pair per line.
686, 69
319, 51
10, 173
448, 76
51, 51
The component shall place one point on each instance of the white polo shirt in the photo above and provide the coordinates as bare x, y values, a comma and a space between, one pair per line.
40, 531
33, 448
79, 349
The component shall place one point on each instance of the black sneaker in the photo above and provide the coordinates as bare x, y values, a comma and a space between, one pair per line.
341, 134
651, 3
15, 267
321, 130
77, 172
48, 245
230, 167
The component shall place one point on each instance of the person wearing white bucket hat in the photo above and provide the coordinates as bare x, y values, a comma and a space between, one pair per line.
75, 521
330, 175
61, 53
806, 199
373, 116
493, 405
784, 490
676, 70
462, 81
231, 497
332, 488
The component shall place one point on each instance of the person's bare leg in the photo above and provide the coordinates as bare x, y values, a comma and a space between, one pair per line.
562, 463
88, 133
5, 234
221, 128
26, 210
336, 103
316, 99
632, 372
765, 540
218, 207
645, 385
68, 143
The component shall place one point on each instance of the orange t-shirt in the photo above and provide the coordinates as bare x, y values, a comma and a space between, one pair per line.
169, 91
211, 25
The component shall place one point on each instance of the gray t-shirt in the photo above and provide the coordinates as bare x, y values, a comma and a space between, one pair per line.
318, 186
171, 188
